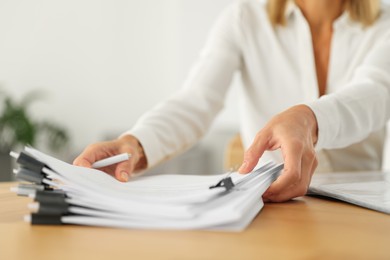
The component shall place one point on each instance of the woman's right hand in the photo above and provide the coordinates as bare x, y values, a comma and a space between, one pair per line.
121, 171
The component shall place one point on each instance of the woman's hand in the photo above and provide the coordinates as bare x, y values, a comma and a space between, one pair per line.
121, 171
294, 131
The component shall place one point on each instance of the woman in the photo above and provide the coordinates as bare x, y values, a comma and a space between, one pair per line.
316, 78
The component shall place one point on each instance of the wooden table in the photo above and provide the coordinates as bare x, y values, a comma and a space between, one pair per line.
306, 228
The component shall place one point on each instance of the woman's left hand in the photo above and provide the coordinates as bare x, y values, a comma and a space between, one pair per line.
294, 131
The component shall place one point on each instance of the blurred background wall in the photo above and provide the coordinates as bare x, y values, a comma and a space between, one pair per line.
103, 63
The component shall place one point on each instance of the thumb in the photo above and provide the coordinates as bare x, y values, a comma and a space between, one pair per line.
123, 170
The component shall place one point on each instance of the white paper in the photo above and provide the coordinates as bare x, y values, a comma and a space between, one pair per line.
160, 201
366, 189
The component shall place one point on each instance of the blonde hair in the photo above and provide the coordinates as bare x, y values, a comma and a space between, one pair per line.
364, 11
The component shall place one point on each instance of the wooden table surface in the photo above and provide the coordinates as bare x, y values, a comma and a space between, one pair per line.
306, 228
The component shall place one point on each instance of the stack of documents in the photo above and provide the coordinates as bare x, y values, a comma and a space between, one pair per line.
68, 194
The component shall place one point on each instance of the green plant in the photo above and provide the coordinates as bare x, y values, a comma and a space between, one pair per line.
18, 128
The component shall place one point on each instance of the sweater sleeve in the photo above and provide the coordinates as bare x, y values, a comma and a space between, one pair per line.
178, 122
363, 106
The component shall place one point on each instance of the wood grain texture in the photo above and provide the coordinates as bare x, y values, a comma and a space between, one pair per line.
306, 228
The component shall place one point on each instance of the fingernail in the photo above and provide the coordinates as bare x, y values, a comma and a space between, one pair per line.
243, 166
124, 176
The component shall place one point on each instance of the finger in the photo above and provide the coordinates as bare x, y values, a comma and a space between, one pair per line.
122, 171
291, 172
294, 191
83, 162
86, 158
125, 169
253, 154
312, 170
309, 164
93, 153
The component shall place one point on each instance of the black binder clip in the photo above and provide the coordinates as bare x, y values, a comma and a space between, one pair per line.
226, 183
42, 219
27, 161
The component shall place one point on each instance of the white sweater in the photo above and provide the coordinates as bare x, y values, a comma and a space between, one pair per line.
278, 71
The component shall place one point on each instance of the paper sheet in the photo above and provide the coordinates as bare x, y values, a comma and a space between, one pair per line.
366, 189
159, 201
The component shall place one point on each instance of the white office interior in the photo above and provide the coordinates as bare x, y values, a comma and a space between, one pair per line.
101, 64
